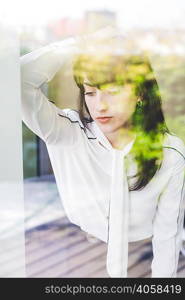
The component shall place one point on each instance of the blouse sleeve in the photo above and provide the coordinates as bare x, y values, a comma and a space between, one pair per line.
168, 223
38, 113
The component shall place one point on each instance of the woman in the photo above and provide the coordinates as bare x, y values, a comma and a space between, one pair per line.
118, 170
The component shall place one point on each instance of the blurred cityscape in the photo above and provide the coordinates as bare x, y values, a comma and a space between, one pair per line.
162, 40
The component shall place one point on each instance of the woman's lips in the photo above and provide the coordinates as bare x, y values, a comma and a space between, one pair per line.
104, 119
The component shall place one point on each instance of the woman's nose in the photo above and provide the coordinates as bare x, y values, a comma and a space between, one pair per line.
101, 103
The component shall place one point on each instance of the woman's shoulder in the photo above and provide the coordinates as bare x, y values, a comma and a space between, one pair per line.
175, 145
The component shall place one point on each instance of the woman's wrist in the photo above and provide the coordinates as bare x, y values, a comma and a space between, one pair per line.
67, 46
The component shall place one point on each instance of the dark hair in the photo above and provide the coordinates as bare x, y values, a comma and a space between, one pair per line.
147, 120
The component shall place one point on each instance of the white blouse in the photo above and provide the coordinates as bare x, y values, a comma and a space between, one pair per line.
92, 178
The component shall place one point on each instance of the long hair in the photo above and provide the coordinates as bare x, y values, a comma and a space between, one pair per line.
147, 120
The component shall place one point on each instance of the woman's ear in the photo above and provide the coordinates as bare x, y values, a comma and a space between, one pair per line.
139, 102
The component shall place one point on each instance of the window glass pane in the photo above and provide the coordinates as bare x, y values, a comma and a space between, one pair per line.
12, 242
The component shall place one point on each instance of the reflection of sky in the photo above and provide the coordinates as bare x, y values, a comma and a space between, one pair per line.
142, 13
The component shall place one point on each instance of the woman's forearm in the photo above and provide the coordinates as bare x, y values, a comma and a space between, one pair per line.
40, 66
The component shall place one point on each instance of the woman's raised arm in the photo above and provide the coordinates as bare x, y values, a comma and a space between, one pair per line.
38, 67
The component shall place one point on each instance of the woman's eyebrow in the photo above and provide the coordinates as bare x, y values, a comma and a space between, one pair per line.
89, 84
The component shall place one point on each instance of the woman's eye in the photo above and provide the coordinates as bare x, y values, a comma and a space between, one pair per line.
89, 93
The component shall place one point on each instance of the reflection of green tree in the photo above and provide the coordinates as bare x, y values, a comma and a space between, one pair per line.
172, 84
29, 152
24, 50
173, 81
177, 125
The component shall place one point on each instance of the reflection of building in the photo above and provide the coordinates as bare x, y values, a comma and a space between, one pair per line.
64, 27
95, 20
91, 21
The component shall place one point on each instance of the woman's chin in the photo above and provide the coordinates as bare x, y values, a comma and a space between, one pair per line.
106, 128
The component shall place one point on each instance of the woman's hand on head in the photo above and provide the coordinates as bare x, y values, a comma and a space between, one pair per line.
109, 39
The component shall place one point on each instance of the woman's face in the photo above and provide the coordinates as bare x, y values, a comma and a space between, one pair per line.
111, 106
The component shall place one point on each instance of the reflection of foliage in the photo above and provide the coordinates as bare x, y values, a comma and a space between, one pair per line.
100, 70
53, 88
177, 125
24, 50
29, 152
147, 121
172, 80
171, 74
148, 154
